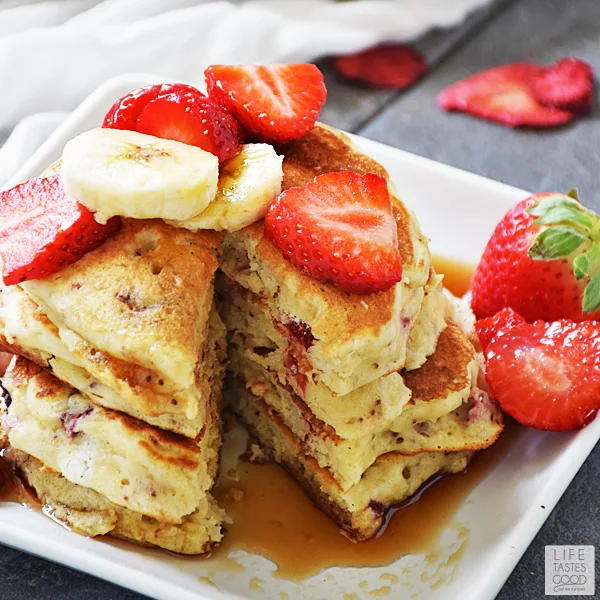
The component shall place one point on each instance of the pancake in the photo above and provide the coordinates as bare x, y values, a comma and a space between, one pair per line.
130, 318
428, 324
347, 340
445, 411
254, 334
26, 331
89, 513
359, 511
132, 464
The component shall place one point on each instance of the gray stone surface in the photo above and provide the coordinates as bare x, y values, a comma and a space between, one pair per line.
558, 159
30, 578
542, 30
349, 107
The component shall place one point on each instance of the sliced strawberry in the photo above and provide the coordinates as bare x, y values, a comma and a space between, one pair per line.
491, 328
274, 103
339, 228
390, 66
502, 94
193, 119
42, 230
124, 113
547, 375
178, 112
567, 85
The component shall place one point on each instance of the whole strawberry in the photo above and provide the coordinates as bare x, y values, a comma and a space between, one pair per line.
543, 261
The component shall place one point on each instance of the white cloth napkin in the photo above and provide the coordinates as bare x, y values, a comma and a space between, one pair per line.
53, 53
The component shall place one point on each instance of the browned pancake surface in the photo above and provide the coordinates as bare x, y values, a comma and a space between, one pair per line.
324, 150
446, 370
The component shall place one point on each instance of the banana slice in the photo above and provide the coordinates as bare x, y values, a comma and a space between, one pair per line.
248, 183
116, 172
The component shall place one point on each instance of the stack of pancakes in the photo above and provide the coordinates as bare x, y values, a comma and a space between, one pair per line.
361, 398
113, 413
113, 407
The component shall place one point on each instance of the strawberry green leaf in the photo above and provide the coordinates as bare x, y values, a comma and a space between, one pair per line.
556, 242
591, 296
573, 193
584, 263
581, 266
551, 210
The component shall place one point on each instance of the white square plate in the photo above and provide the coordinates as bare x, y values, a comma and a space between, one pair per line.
502, 514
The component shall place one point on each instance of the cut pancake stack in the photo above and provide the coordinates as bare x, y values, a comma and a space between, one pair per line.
112, 411
114, 405
361, 398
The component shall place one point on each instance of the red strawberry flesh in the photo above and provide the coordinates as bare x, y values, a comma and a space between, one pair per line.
192, 119
490, 328
389, 66
124, 113
178, 112
42, 230
567, 85
502, 94
339, 228
274, 103
547, 375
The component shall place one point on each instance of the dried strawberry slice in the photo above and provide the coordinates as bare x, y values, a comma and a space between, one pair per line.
567, 85
502, 94
389, 66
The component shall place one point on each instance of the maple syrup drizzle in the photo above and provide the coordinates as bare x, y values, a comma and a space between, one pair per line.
276, 519
457, 274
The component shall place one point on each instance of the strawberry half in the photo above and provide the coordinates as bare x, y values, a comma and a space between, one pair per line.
502, 94
192, 119
124, 113
491, 328
547, 375
543, 261
274, 103
42, 230
389, 66
339, 228
568, 85
178, 112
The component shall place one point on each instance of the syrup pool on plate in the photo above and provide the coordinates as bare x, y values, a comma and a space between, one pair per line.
457, 274
274, 518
